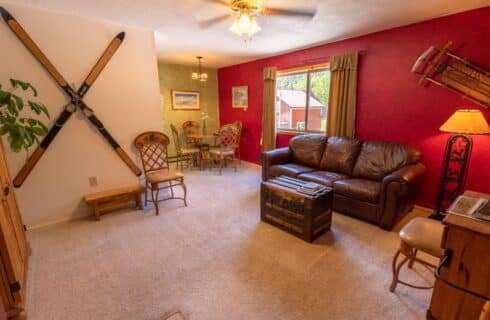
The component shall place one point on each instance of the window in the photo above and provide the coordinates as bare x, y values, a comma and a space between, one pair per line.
302, 100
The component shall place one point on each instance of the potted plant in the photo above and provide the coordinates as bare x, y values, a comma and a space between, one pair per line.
22, 132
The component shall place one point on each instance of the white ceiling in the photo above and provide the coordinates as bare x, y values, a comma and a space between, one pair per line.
179, 38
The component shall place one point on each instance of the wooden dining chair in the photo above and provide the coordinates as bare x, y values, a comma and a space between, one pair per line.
184, 155
191, 127
229, 140
152, 147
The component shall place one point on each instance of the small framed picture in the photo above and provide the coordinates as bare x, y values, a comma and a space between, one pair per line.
185, 100
240, 97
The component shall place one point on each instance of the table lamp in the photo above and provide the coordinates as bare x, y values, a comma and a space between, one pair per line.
458, 149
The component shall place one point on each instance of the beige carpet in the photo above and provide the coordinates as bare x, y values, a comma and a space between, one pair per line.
215, 260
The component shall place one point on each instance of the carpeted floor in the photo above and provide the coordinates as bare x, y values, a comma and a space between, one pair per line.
215, 260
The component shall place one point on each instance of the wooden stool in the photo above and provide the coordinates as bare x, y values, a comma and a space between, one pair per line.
418, 234
115, 198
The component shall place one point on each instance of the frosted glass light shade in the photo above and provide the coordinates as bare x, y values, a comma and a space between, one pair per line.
245, 26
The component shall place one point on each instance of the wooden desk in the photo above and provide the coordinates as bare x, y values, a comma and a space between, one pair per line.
468, 240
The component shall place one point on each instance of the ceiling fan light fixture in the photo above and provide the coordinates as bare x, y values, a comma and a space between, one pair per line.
245, 26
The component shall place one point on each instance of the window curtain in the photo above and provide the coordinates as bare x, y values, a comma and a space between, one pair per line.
268, 111
343, 86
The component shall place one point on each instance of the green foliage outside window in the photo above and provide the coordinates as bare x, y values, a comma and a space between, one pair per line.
319, 86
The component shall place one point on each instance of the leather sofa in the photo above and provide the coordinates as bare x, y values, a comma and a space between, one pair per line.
376, 181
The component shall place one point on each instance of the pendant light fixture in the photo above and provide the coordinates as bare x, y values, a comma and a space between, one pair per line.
199, 75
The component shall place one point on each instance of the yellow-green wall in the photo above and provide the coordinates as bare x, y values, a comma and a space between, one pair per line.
178, 77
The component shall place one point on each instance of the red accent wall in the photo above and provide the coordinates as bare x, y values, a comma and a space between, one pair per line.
390, 106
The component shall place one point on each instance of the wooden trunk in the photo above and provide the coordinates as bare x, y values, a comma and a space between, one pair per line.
304, 216
14, 249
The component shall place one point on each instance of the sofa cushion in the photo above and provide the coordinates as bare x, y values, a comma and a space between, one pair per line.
289, 169
340, 154
378, 159
359, 189
308, 149
326, 178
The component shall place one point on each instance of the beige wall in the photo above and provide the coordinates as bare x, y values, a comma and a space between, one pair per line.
178, 77
125, 97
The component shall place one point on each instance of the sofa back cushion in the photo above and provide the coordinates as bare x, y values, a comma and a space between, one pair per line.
308, 149
340, 155
379, 158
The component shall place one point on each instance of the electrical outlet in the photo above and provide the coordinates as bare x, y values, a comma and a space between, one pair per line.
92, 181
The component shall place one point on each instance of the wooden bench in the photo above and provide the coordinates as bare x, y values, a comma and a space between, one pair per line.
116, 198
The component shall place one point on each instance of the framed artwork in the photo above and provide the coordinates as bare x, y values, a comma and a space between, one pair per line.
240, 97
185, 100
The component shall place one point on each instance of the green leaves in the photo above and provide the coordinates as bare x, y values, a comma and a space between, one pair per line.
23, 85
38, 108
21, 132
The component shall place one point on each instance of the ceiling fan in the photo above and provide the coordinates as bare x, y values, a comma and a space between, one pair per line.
244, 12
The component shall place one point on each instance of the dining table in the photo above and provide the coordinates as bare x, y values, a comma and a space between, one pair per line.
201, 136
203, 146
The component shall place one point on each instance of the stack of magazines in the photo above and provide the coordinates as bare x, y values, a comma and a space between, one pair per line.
478, 208
310, 188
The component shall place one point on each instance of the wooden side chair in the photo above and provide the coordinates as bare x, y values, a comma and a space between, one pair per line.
229, 141
184, 155
419, 234
152, 147
191, 127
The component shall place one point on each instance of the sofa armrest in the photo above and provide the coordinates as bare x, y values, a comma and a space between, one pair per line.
274, 157
399, 191
408, 175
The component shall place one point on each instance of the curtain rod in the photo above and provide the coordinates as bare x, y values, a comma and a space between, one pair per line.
314, 60
361, 52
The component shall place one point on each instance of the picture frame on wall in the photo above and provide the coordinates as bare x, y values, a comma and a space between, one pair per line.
240, 97
185, 100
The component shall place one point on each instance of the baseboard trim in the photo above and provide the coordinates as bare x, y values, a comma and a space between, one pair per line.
53, 222
424, 209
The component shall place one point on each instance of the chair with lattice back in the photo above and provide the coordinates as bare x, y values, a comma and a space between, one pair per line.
229, 143
191, 127
152, 147
184, 155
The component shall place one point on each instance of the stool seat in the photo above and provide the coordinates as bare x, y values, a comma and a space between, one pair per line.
424, 234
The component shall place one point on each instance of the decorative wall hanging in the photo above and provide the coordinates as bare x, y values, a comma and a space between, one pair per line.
75, 97
185, 100
455, 73
240, 97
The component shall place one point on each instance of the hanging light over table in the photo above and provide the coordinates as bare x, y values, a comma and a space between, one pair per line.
199, 75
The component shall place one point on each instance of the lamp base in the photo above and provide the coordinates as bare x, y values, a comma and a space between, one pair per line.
437, 216
453, 173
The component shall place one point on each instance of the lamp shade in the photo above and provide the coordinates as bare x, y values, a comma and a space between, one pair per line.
466, 121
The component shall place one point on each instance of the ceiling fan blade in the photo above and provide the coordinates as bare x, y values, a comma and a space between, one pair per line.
209, 22
221, 2
288, 12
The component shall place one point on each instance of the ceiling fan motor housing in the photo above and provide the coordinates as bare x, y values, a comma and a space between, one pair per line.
246, 6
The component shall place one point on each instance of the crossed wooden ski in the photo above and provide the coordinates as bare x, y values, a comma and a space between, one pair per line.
75, 97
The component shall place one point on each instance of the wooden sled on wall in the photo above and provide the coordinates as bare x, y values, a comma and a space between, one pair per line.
455, 73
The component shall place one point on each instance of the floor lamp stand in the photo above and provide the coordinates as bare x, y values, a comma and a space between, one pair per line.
453, 173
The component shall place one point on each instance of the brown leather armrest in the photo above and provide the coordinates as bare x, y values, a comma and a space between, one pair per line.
398, 194
274, 157
410, 174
